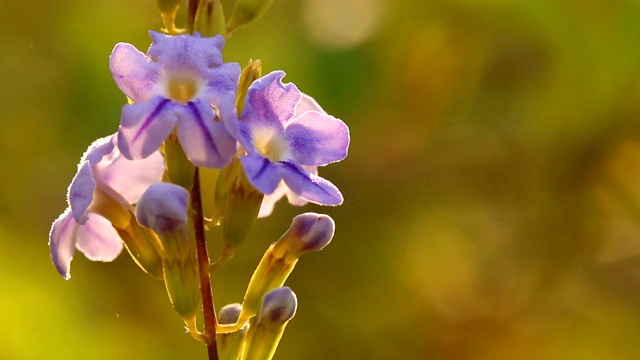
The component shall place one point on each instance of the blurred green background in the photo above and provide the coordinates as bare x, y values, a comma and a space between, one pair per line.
492, 188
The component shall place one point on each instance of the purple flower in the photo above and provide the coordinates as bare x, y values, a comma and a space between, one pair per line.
105, 185
181, 82
286, 136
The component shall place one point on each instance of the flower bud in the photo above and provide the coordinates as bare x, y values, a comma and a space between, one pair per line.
168, 10
230, 345
210, 18
180, 170
163, 209
308, 232
249, 74
144, 247
278, 307
241, 211
246, 11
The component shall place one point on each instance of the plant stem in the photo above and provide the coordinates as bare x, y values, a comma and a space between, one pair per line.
208, 307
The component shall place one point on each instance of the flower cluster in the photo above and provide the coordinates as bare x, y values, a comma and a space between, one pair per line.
182, 85
139, 188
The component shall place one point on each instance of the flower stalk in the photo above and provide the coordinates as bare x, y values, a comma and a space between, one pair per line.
208, 306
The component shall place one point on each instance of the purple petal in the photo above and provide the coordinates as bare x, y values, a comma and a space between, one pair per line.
221, 80
262, 174
62, 242
318, 139
80, 193
98, 240
309, 186
270, 101
205, 141
134, 72
307, 103
186, 50
130, 178
144, 126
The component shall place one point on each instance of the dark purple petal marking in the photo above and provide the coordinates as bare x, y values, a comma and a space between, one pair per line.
205, 131
265, 165
151, 117
294, 169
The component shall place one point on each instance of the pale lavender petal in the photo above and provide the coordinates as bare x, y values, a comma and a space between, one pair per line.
318, 139
309, 186
270, 101
98, 149
262, 174
130, 178
205, 141
307, 103
174, 52
80, 192
62, 242
134, 72
145, 126
98, 240
269, 200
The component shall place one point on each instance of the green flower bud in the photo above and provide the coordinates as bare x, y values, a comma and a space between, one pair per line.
168, 10
144, 247
308, 233
179, 169
230, 345
246, 11
249, 74
210, 18
163, 208
241, 211
278, 307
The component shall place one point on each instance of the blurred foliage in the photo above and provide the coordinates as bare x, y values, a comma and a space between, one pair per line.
492, 189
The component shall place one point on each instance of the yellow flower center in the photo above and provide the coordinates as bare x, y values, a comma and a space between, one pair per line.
271, 144
182, 87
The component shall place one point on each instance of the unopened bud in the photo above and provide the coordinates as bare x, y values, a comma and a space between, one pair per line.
246, 11
230, 345
210, 18
168, 10
278, 307
144, 247
308, 232
163, 208
241, 211
249, 74
180, 170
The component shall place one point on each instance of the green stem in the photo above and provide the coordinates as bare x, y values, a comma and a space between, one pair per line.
208, 307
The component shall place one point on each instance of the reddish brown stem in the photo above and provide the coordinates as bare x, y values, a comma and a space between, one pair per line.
208, 307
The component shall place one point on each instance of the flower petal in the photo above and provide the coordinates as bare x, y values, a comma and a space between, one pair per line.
144, 126
130, 178
221, 80
62, 242
270, 101
186, 50
308, 103
318, 139
80, 192
205, 141
98, 240
134, 72
309, 186
262, 174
